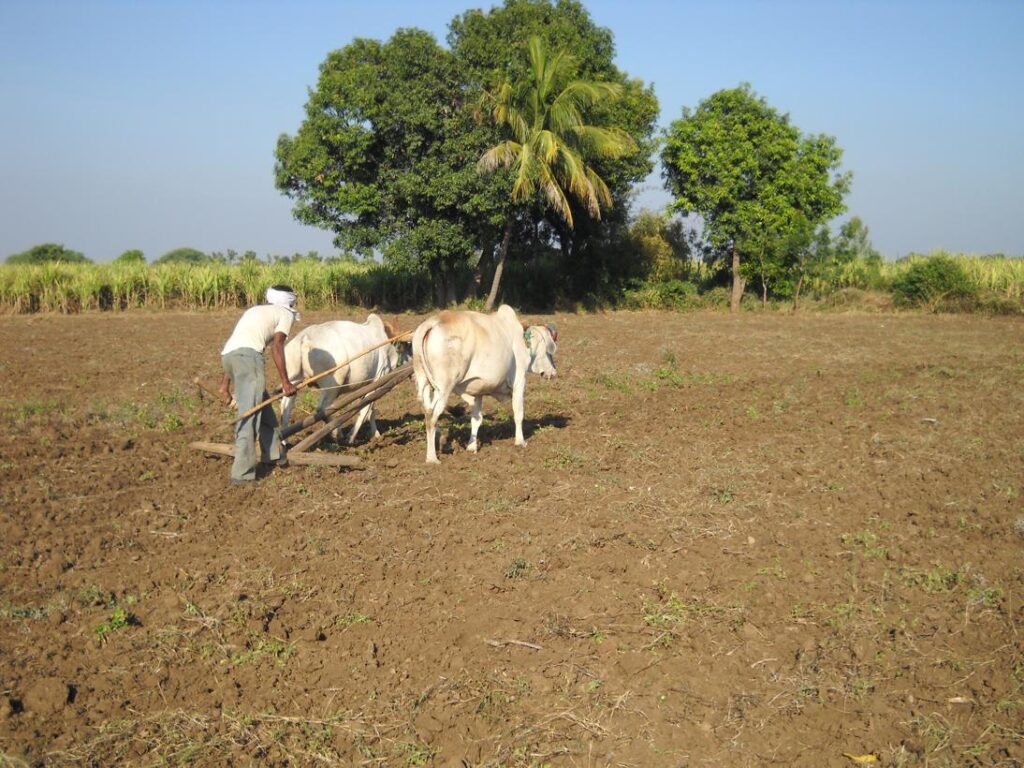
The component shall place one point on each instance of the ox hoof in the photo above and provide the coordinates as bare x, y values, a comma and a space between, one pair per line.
434, 460
520, 443
472, 447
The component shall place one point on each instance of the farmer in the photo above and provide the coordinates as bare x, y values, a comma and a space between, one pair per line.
242, 359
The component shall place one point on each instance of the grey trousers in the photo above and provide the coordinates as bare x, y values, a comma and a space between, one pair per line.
245, 367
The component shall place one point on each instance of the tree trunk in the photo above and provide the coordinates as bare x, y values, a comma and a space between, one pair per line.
738, 283
499, 266
478, 271
796, 293
438, 283
449, 290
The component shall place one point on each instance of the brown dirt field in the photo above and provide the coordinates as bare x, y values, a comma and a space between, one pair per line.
751, 541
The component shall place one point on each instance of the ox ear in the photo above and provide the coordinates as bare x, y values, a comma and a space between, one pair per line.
389, 330
526, 325
553, 330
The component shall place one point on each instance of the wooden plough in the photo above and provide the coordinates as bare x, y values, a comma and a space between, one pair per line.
336, 415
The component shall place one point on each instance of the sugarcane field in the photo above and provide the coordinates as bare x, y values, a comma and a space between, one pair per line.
763, 539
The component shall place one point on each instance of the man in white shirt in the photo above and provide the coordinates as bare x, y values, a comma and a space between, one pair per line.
242, 360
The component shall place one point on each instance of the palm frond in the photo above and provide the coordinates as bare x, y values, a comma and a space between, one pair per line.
584, 93
576, 177
553, 193
601, 191
602, 142
550, 135
524, 186
504, 154
546, 146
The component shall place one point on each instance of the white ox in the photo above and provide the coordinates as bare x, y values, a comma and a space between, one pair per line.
470, 354
318, 348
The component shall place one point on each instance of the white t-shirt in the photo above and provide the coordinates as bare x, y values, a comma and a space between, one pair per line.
257, 326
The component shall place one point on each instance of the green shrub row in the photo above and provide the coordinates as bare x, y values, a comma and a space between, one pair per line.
69, 288
939, 282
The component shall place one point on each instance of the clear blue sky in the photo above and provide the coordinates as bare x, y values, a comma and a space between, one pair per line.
152, 125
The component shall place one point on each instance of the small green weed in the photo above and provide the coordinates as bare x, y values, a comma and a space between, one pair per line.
416, 754
32, 408
935, 581
565, 458
775, 570
723, 495
119, 619
668, 609
867, 541
264, 647
986, 597
518, 569
171, 422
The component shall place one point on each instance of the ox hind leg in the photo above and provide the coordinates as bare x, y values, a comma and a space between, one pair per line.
433, 408
518, 398
475, 420
366, 414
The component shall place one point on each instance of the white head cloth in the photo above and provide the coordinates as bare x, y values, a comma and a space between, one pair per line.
282, 299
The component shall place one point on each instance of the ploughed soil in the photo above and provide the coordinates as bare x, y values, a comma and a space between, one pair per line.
791, 540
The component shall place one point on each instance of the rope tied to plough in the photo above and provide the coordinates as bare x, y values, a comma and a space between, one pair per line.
323, 374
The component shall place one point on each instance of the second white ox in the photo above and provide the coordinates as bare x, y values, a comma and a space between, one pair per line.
318, 348
470, 354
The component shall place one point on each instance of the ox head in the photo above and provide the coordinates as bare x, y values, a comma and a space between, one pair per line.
542, 342
400, 351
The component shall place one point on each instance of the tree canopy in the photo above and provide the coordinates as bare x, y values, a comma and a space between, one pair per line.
47, 252
184, 256
132, 256
386, 155
759, 187
491, 48
549, 142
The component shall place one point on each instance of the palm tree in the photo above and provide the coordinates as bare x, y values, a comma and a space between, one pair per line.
549, 143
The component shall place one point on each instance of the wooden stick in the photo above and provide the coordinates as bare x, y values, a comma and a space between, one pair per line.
522, 643
308, 442
321, 459
343, 400
207, 390
322, 374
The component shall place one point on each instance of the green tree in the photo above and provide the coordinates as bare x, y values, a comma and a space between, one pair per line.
184, 256
853, 242
133, 256
47, 252
491, 49
760, 188
935, 281
386, 155
385, 158
544, 114
658, 247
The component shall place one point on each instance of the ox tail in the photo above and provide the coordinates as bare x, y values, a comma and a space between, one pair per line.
425, 381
